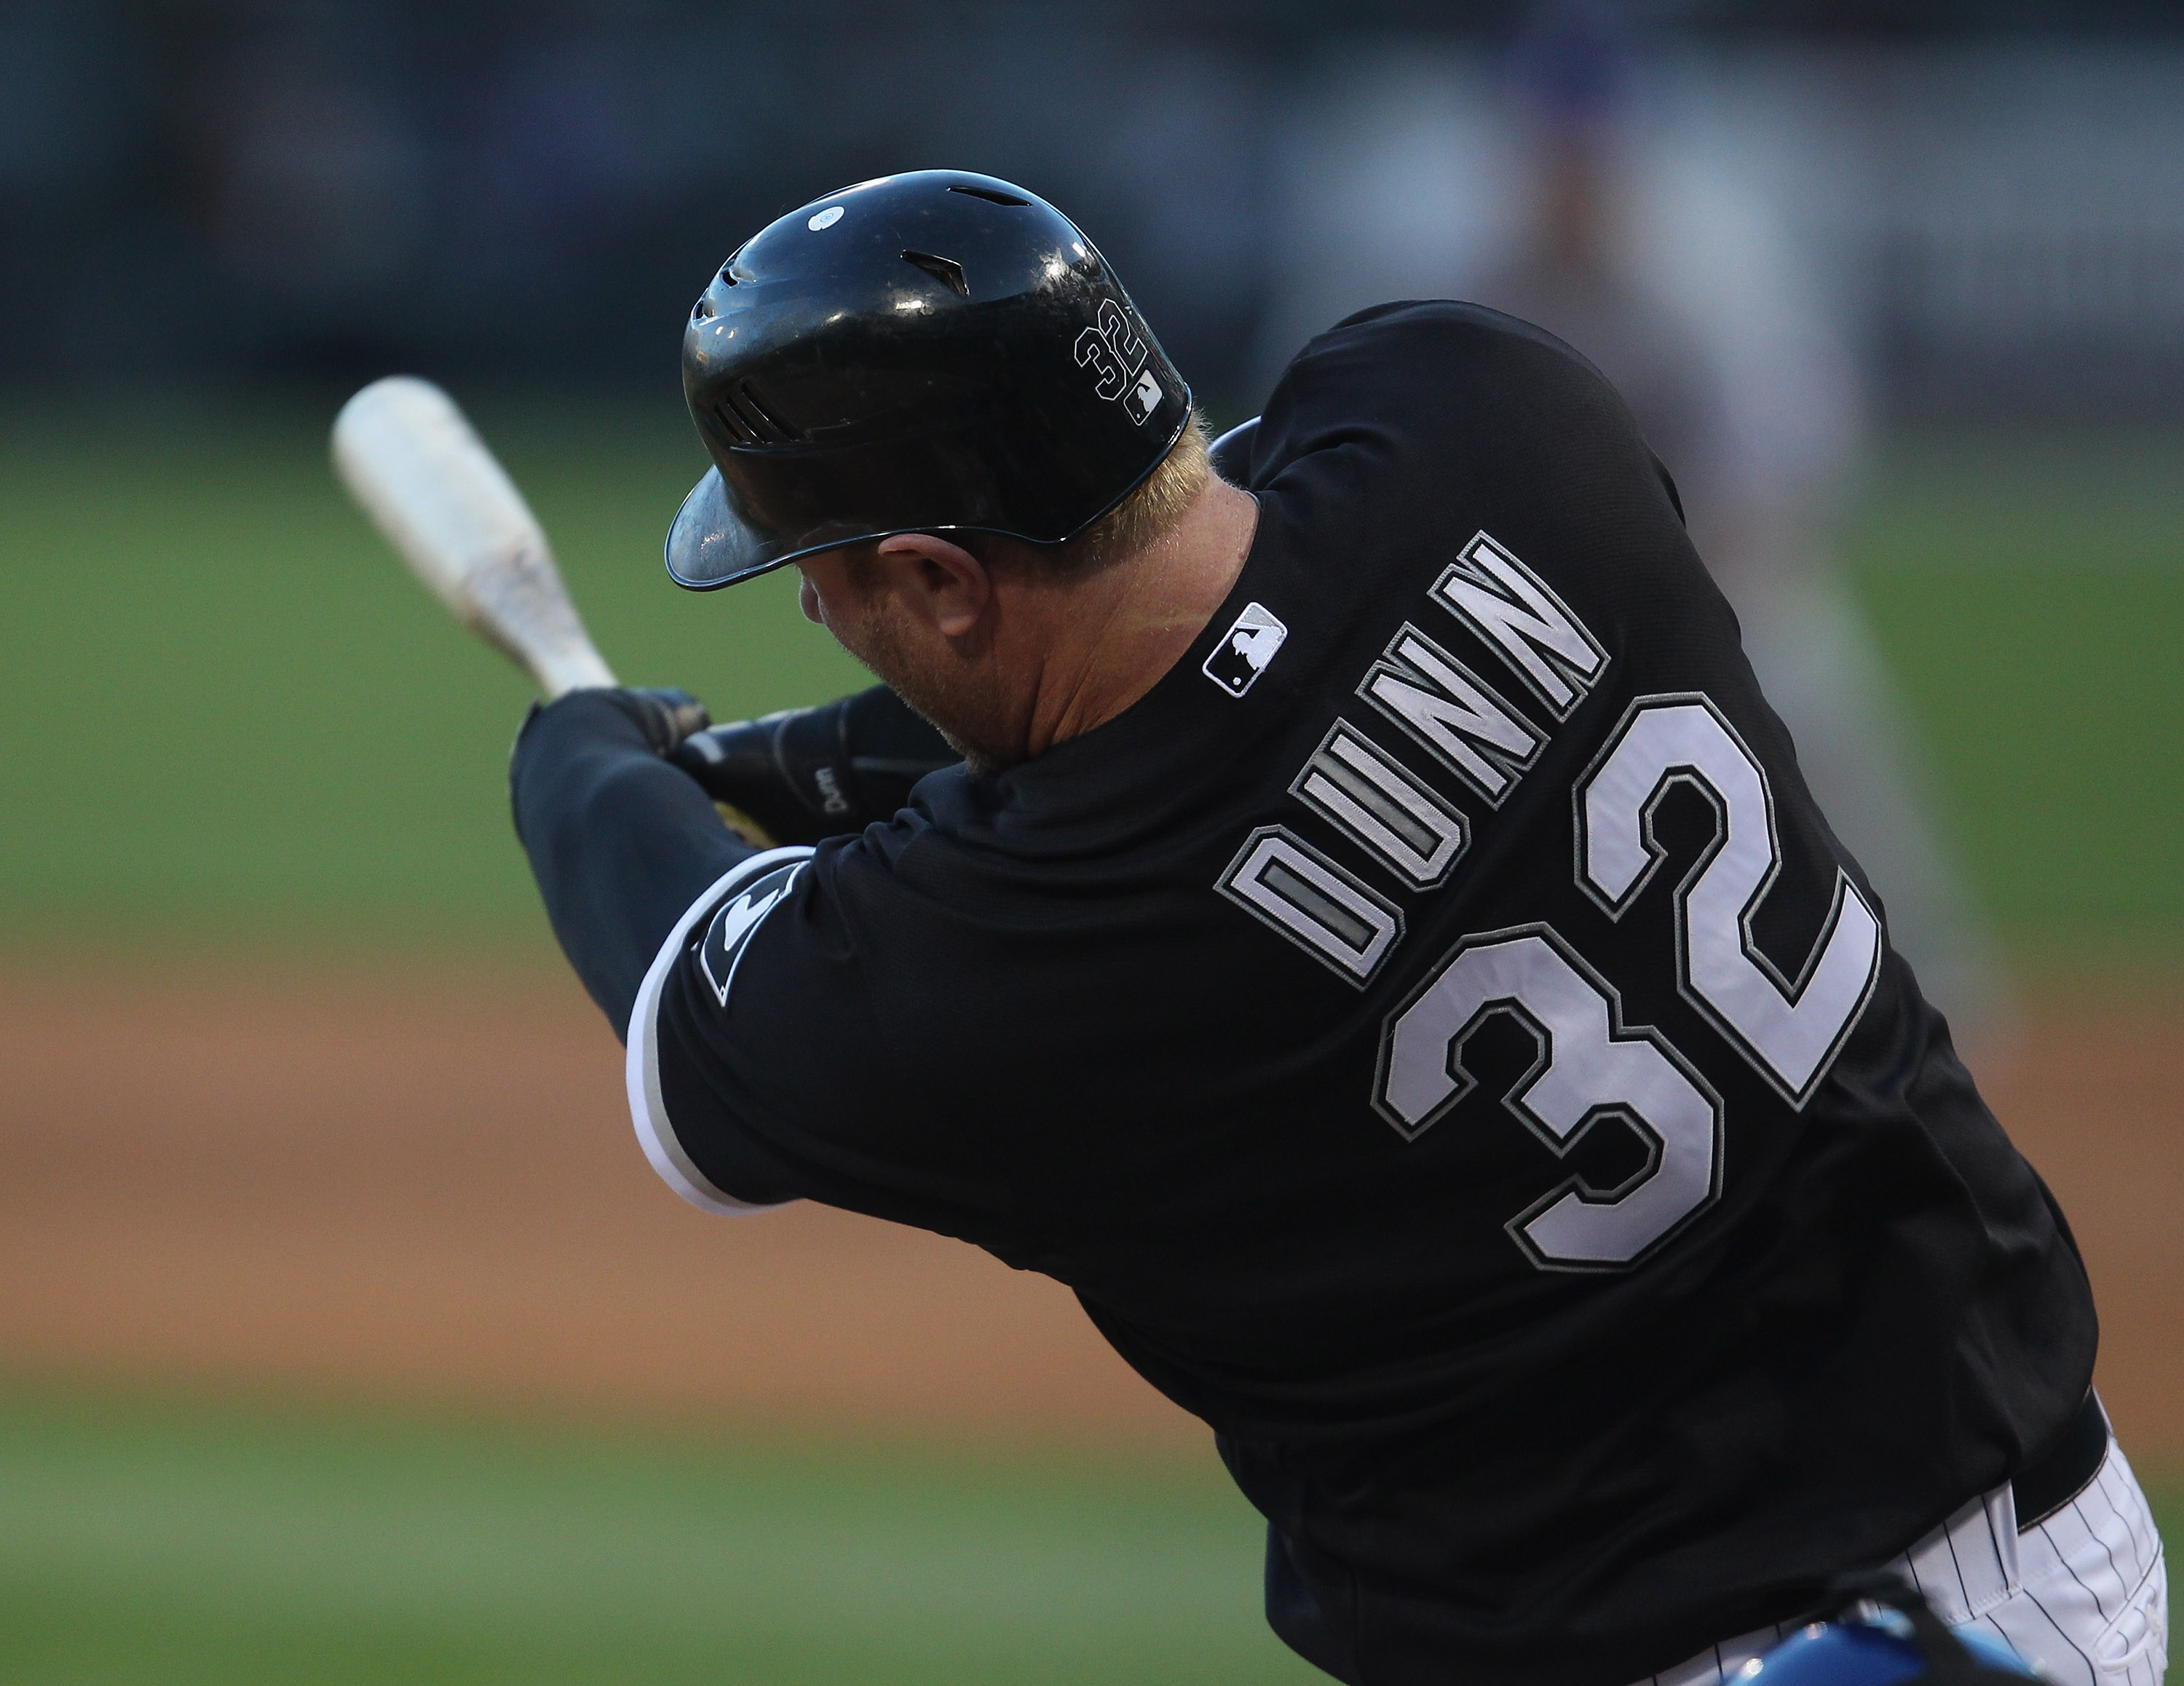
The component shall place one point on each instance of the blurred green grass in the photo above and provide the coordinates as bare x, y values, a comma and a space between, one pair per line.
2029, 596
167, 1543
157, 1543
226, 716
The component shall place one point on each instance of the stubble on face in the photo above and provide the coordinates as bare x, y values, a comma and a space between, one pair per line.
957, 697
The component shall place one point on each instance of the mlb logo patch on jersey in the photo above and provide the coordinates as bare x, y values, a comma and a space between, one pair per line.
1245, 649
730, 931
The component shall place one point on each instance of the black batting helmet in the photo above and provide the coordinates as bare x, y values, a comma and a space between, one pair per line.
922, 353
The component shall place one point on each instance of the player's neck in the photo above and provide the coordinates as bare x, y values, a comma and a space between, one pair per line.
1096, 645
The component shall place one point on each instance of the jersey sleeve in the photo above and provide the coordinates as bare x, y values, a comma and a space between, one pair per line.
782, 1047
618, 839
712, 937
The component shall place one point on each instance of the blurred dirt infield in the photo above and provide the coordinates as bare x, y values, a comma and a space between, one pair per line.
426, 1186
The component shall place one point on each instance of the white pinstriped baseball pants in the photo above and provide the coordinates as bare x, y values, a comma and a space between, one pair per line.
2082, 1594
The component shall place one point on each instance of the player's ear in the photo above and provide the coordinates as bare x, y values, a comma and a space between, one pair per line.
941, 583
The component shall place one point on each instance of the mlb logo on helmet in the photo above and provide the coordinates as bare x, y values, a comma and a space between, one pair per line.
1117, 355
1143, 399
1245, 649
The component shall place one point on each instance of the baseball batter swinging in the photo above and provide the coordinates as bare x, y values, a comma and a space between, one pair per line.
1358, 924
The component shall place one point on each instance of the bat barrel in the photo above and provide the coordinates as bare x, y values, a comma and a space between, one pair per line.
420, 471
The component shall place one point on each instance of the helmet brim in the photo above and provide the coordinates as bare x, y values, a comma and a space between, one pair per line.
710, 545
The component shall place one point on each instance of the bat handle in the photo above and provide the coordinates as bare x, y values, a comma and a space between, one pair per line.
561, 671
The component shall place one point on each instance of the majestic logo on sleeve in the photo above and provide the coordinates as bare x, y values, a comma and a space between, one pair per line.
730, 932
1244, 649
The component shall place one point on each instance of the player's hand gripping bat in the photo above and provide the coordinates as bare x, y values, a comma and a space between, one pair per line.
428, 482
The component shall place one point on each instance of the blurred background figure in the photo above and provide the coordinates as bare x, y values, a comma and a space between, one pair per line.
1682, 281
1695, 300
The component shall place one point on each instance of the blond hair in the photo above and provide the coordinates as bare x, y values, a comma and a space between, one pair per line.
1152, 507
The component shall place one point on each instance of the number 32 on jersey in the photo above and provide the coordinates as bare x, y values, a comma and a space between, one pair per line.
1591, 1064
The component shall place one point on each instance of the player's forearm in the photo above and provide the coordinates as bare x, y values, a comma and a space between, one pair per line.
620, 841
806, 774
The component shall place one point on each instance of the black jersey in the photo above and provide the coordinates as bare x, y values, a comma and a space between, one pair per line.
1442, 1043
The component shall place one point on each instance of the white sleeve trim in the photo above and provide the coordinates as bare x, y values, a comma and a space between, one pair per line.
656, 1134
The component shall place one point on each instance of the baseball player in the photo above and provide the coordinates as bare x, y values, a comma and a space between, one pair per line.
1370, 939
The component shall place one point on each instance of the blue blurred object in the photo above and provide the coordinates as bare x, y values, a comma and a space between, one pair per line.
1878, 1650
1572, 62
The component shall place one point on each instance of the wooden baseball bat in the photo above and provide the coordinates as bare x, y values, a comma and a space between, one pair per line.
428, 482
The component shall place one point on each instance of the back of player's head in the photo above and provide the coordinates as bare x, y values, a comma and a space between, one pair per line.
935, 352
